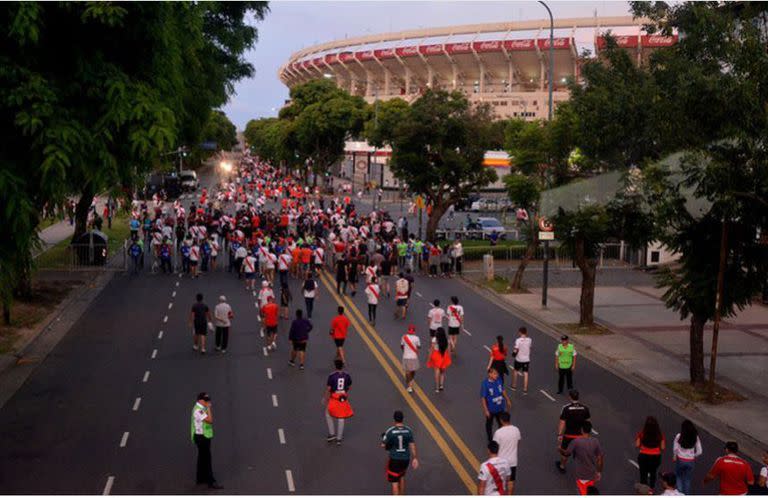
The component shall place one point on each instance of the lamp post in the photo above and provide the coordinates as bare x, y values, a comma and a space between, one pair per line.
550, 74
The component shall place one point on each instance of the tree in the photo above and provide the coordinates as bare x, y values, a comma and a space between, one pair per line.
383, 118
524, 191
438, 149
272, 139
220, 129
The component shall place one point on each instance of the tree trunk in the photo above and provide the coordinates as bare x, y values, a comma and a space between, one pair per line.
697, 349
433, 221
530, 251
7, 312
81, 210
588, 267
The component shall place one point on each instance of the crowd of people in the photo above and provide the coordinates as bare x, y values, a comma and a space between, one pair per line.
267, 229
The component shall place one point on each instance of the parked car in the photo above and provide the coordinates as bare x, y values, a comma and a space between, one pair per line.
189, 181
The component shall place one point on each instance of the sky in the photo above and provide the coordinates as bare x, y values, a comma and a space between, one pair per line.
293, 25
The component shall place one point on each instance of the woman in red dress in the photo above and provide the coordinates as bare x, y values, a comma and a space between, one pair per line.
440, 358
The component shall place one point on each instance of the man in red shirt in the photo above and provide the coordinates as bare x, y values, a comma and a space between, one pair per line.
269, 313
339, 328
734, 472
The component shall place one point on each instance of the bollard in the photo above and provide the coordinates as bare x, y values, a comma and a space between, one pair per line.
488, 266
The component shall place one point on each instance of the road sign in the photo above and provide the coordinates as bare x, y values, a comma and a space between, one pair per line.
546, 235
545, 225
419, 202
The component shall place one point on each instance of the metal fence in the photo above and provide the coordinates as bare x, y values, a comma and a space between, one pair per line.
84, 257
609, 255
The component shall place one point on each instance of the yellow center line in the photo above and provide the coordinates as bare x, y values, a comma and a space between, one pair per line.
397, 381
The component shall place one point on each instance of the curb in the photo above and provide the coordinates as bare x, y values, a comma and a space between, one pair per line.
748, 444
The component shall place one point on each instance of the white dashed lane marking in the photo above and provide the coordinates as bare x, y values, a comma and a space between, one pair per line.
165, 319
136, 404
289, 479
487, 348
177, 284
418, 294
154, 354
108, 487
634, 464
274, 400
545, 393
146, 376
174, 293
265, 351
281, 435
170, 305
160, 335
124, 440
269, 373
467, 332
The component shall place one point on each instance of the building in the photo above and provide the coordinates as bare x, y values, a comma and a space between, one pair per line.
504, 64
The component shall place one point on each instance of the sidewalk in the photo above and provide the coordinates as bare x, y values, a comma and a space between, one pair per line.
650, 346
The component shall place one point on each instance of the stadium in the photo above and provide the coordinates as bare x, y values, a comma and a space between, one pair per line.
504, 64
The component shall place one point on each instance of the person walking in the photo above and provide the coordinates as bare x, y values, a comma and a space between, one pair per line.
588, 458
299, 335
650, 443
341, 275
410, 344
248, 268
494, 401
498, 358
493, 473
285, 300
309, 290
685, 450
455, 313
508, 437
565, 363
222, 320
270, 315
439, 358
734, 473
372, 292
522, 353
572, 417
435, 317
199, 317
336, 397
398, 440
401, 296
202, 434
339, 330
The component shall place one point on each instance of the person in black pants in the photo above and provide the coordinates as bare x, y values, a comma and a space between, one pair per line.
202, 433
650, 443
341, 275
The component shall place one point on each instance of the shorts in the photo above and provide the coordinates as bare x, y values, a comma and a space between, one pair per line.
396, 469
566, 440
432, 332
410, 364
522, 366
299, 345
250, 276
192, 263
454, 330
512, 473
402, 302
339, 342
201, 330
271, 329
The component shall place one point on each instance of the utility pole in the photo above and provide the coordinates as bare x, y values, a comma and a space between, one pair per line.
549, 117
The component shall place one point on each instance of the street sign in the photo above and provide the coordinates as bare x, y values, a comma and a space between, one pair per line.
419, 202
545, 225
546, 235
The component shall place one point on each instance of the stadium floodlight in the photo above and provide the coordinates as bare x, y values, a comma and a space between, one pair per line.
327, 75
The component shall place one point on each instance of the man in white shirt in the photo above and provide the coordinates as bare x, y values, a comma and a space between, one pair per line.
265, 293
455, 313
401, 296
410, 344
240, 253
372, 292
435, 317
222, 320
494, 473
249, 269
508, 437
522, 352
283, 264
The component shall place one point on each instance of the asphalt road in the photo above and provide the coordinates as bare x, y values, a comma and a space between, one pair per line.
110, 406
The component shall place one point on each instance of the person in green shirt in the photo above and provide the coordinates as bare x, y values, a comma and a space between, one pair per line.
565, 363
399, 442
202, 433
418, 249
402, 250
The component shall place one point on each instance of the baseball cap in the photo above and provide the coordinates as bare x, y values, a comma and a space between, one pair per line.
222, 298
564, 337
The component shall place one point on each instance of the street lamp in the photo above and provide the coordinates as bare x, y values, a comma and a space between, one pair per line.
549, 117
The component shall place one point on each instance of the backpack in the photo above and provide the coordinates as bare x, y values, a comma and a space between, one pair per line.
164, 251
185, 250
135, 249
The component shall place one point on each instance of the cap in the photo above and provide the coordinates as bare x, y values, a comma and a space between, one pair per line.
222, 298
564, 337
411, 328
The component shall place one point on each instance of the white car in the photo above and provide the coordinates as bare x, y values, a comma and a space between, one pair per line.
490, 225
188, 180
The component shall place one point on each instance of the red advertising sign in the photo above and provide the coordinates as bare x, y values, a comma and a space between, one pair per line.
458, 48
629, 41
306, 64
346, 56
317, 62
364, 56
407, 51
487, 46
656, 41
431, 49
558, 43
386, 53
513, 45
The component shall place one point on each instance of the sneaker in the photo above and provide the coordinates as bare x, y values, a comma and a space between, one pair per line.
442, 388
525, 393
301, 367
223, 351
559, 467
410, 389
338, 441
437, 389
203, 351
291, 363
513, 388
331, 438
194, 348
218, 348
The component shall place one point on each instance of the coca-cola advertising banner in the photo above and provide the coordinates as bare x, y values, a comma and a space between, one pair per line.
318, 62
346, 56
407, 51
459, 48
556, 43
364, 56
431, 49
386, 53
654, 41
487, 46
513, 45
629, 41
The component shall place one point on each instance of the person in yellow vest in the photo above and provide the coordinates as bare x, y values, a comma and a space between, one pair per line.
202, 433
565, 363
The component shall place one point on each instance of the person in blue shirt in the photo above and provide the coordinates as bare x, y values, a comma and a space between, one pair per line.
494, 400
